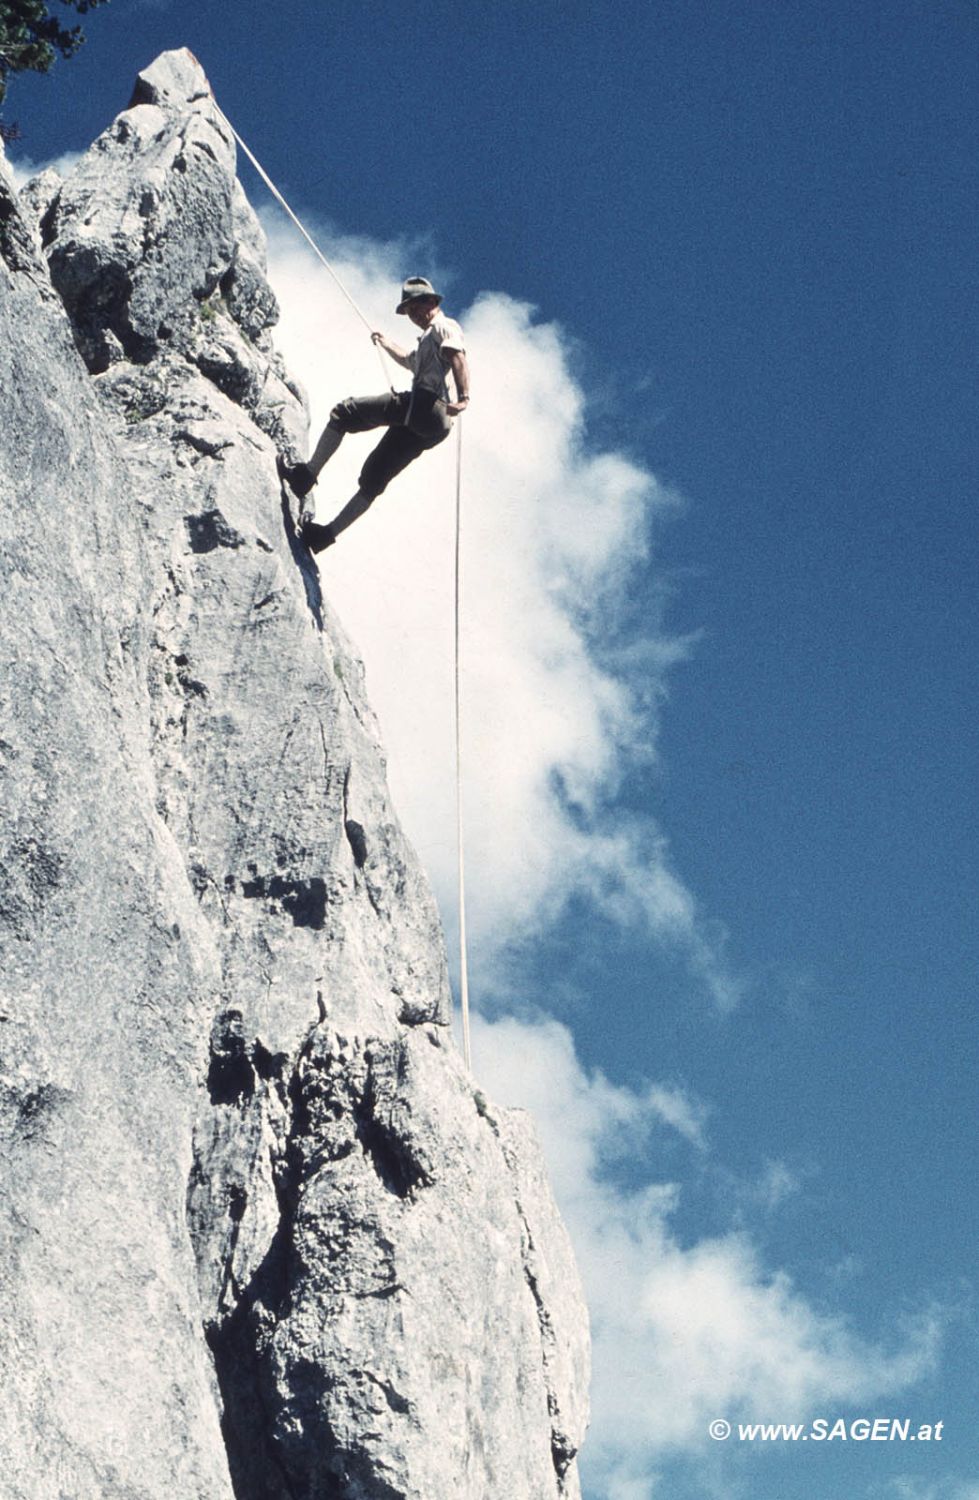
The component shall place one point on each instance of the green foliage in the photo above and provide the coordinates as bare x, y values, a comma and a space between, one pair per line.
211, 310
31, 37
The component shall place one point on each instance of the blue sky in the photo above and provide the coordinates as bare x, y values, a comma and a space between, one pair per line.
747, 232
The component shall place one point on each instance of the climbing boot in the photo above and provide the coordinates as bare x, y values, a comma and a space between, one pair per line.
299, 477
317, 537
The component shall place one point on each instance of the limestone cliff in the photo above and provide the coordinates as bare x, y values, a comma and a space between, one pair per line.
260, 1237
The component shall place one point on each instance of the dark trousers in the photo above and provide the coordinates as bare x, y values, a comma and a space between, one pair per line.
415, 420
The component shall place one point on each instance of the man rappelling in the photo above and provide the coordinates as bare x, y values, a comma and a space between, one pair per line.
415, 420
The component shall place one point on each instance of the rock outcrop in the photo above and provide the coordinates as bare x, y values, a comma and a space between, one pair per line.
260, 1236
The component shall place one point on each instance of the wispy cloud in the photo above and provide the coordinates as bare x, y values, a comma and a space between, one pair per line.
23, 168
906, 1487
565, 653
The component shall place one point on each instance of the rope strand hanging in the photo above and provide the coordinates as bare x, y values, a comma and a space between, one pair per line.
463, 955
463, 959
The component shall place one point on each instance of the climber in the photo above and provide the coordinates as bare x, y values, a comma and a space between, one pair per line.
417, 419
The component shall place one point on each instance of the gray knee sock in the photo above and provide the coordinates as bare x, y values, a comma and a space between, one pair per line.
325, 449
351, 512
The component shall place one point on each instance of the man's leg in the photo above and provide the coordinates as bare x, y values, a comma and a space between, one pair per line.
396, 450
352, 511
328, 444
301, 477
356, 414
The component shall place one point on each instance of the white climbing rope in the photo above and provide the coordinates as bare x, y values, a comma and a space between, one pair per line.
463, 956
463, 959
308, 237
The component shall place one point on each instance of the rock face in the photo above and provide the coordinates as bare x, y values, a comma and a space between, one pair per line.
260, 1237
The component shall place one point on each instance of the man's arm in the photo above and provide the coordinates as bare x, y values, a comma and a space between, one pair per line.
399, 355
460, 370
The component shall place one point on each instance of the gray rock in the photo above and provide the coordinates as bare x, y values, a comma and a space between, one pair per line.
37, 199
260, 1237
142, 231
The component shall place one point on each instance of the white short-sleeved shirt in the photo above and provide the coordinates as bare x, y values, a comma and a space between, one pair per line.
429, 362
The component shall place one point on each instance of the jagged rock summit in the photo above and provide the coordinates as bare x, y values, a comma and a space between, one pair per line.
260, 1236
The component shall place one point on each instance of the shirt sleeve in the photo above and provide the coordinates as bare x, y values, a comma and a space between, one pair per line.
451, 339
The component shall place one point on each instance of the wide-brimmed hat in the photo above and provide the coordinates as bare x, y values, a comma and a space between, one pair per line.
415, 287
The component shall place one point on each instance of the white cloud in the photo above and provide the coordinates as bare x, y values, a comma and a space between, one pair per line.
682, 1333
561, 687
778, 1183
674, 1107
763, 1194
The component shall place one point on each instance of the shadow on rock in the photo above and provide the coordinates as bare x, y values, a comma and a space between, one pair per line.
303, 561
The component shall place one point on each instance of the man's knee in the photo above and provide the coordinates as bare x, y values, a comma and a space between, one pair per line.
396, 450
373, 479
342, 416
355, 414
363, 413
